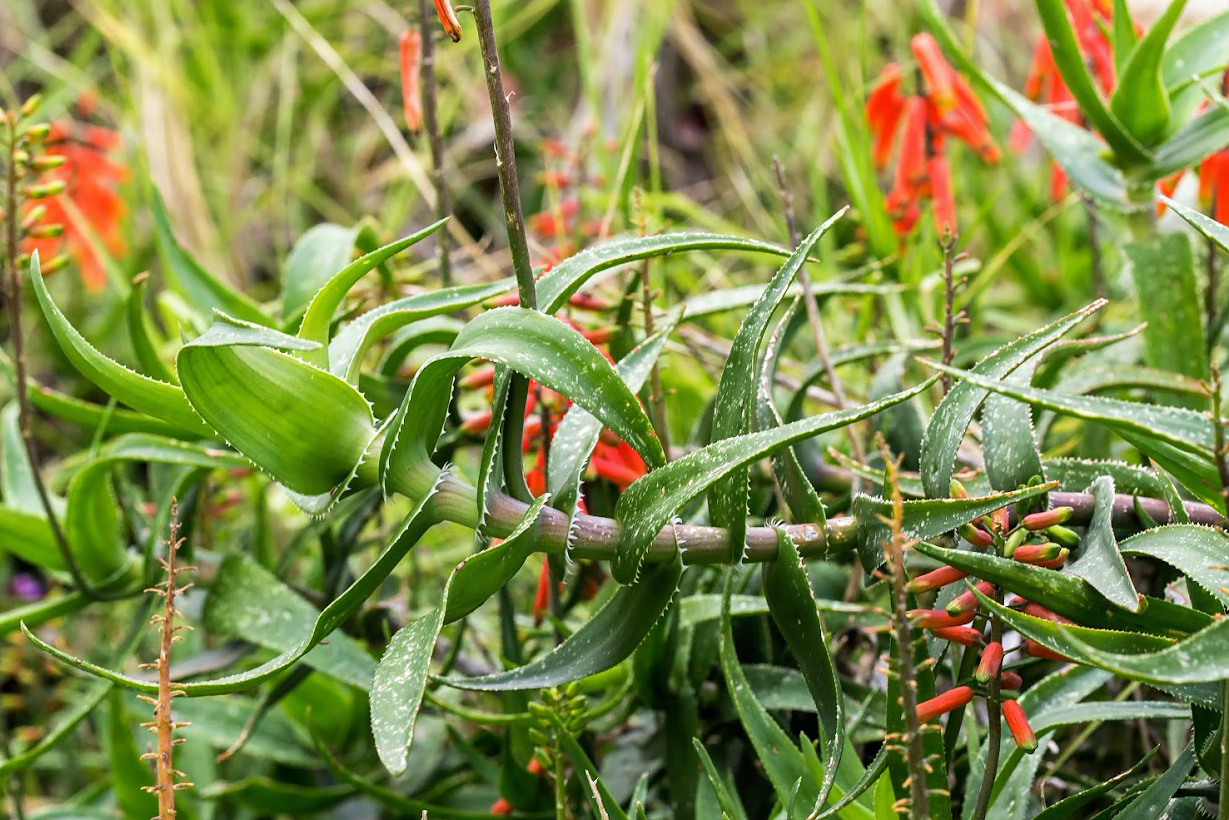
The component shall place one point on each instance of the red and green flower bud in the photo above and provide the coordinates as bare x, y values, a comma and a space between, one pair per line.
940, 577
33, 217
991, 662
31, 105
967, 601
963, 635
956, 490
1049, 518
38, 132
952, 699
1010, 681
937, 618
476, 425
976, 536
1036, 553
1013, 713
1063, 536
48, 162
483, 377
1036, 650
45, 190
1055, 562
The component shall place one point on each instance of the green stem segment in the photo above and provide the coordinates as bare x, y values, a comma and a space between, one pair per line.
994, 711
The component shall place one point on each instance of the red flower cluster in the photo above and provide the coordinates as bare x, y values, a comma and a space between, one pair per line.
956, 623
923, 122
1091, 20
90, 202
562, 226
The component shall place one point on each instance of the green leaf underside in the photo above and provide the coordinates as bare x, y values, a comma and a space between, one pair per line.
951, 418
292, 649
650, 503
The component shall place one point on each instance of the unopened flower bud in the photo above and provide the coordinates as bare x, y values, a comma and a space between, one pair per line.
956, 490
940, 577
31, 105
1036, 553
975, 536
476, 425
1049, 518
1055, 562
1011, 681
1036, 650
937, 618
33, 217
991, 662
963, 635
1013, 713
49, 231
1013, 541
49, 162
45, 190
38, 132
56, 263
1064, 536
967, 601
955, 698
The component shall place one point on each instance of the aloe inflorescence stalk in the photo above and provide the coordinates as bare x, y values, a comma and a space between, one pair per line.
163, 726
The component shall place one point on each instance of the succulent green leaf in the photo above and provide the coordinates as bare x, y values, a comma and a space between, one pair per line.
1156, 797
791, 602
302, 425
150, 396
604, 641
1199, 553
1076, 806
533, 344
563, 280
650, 503
1200, 51
316, 257
711, 303
319, 315
1164, 273
1099, 562
951, 418
203, 291
1210, 228
347, 348
1140, 100
1008, 442
734, 402
141, 335
1201, 136
1074, 598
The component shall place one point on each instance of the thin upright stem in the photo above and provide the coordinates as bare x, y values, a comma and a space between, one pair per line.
894, 549
1210, 308
20, 387
950, 316
430, 120
994, 712
657, 396
505, 156
812, 309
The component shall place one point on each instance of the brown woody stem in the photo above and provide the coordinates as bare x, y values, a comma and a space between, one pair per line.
430, 119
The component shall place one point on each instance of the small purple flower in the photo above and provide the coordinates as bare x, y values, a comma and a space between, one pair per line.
26, 587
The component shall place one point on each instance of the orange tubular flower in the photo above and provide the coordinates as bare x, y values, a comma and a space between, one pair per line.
941, 190
963, 635
883, 112
541, 601
935, 70
91, 178
1013, 713
411, 62
952, 699
1214, 186
448, 19
940, 577
938, 618
1049, 518
991, 662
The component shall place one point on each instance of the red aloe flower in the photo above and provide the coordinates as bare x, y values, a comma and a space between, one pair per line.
411, 62
963, 635
940, 577
991, 662
1013, 713
448, 19
90, 202
952, 699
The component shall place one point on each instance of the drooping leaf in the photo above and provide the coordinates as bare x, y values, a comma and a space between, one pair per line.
535, 345
734, 401
951, 418
651, 502
401, 676
150, 396
354, 339
302, 425
791, 602
298, 636
604, 641
563, 280
319, 315
1099, 562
